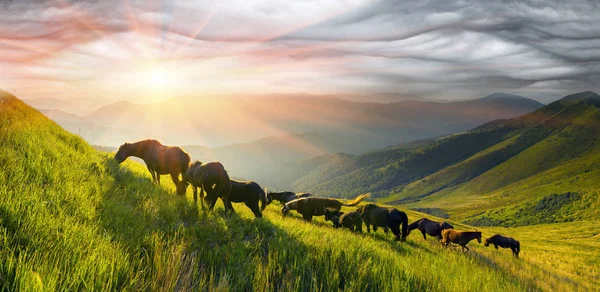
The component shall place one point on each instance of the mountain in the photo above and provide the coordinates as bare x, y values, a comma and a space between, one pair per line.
494, 174
227, 120
48, 103
71, 218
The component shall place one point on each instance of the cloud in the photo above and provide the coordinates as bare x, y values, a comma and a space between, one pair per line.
443, 49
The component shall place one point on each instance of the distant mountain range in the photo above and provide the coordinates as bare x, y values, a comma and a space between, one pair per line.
325, 125
505, 172
225, 121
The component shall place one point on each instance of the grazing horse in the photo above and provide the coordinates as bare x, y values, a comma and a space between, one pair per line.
459, 237
430, 227
159, 159
504, 242
249, 193
313, 206
352, 221
388, 218
284, 197
212, 178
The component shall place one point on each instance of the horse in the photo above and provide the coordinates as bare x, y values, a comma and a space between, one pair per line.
284, 197
249, 193
351, 220
388, 218
333, 215
504, 242
430, 227
212, 178
313, 206
159, 159
461, 238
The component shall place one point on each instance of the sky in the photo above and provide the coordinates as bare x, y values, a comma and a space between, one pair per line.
144, 51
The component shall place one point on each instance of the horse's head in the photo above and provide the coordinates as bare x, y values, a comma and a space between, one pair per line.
269, 197
478, 236
285, 210
447, 225
333, 216
181, 187
122, 153
486, 242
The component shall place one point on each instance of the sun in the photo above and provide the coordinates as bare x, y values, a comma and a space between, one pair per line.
156, 78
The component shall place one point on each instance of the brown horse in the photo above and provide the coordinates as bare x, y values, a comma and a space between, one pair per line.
461, 238
388, 218
430, 227
504, 242
159, 159
212, 178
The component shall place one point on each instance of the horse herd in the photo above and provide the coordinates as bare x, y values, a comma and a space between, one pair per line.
213, 179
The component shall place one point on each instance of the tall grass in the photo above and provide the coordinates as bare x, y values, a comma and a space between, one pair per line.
72, 219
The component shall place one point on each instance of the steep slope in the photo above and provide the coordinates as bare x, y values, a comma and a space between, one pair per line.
500, 164
72, 219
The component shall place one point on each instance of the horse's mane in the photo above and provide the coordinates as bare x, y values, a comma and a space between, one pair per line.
195, 163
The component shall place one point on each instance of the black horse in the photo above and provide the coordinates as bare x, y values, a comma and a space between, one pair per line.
212, 178
249, 193
388, 218
504, 242
430, 227
285, 197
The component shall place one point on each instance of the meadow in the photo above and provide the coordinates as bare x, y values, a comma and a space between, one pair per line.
71, 218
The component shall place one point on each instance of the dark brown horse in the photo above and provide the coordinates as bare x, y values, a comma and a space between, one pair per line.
351, 220
212, 178
249, 193
388, 218
430, 227
313, 206
159, 159
284, 197
504, 242
459, 237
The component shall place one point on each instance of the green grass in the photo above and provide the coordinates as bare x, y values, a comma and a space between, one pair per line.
72, 219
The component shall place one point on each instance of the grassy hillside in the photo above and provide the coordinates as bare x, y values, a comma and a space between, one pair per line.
72, 219
496, 174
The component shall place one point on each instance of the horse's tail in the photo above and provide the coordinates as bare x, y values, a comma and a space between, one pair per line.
356, 200
518, 246
404, 220
263, 199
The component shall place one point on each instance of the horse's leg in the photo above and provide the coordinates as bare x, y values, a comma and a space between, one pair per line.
496, 246
465, 247
254, 207
158, 178
151, 174
228, 205
396, 232
175, 178
307, 217
424, 234
386, 229
195, 190
375, 227
202, 196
